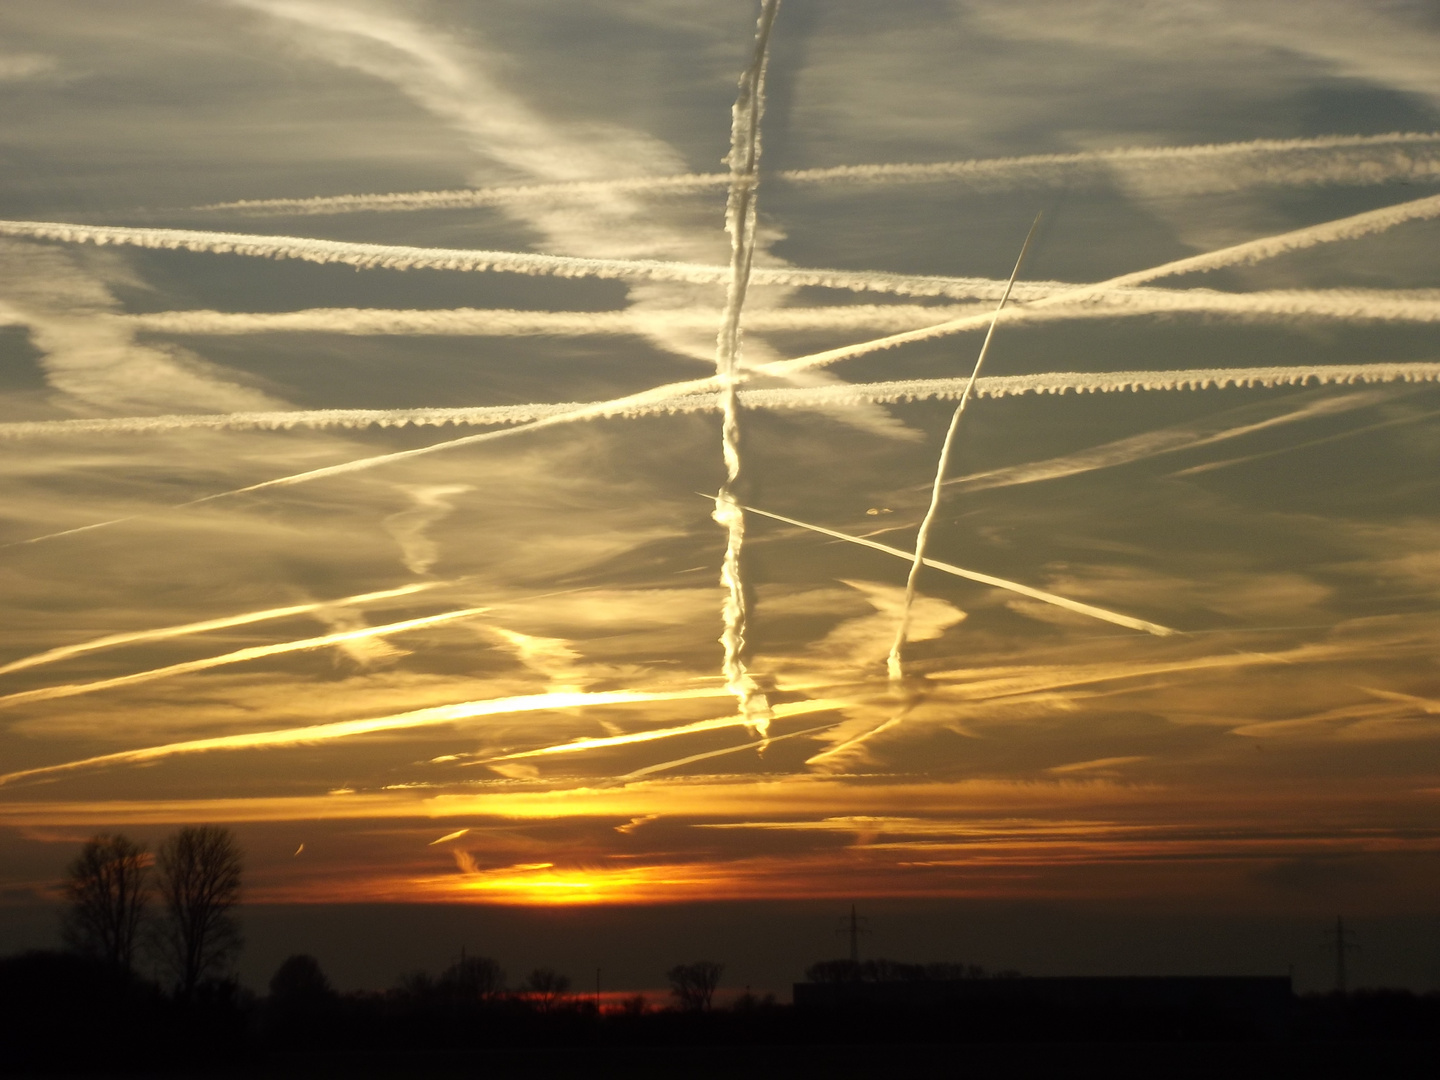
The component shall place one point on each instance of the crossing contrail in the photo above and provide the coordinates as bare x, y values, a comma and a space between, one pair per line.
985, 579
1251, 251
894, 663
344, 729
740, 224
827, 397
162, 633
1352, 227
1333, 159
240, 656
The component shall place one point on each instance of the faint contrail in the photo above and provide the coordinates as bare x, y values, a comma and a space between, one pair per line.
827, 397
344, 729
50, 693
744, 161
894, 663
1267, 166
1345, 305
1251, 251
985, 579
605, 408
110, 641
649, 770
579, 746
1162, 441
1210, 466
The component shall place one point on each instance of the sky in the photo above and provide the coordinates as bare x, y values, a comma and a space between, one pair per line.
374, 485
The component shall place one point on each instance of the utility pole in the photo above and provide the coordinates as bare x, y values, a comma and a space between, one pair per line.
1344, 942
855, 925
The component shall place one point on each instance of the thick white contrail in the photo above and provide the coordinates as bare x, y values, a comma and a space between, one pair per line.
1340, 305
744, 161
413, 258
985, 579
1333, 159
344, 729
825, 397
399, 257
1251, 251
894, 663
240, 656
163, 633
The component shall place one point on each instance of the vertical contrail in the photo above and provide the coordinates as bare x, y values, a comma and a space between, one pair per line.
744, 162
894, 663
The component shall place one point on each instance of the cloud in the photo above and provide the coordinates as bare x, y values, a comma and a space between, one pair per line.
93, 359
432, 503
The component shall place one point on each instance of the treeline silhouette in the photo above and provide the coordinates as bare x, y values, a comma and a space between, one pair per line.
146, 984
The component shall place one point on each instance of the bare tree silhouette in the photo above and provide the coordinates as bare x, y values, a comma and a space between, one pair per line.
198, 936
693, 985
472, 980
546, 988
107, 887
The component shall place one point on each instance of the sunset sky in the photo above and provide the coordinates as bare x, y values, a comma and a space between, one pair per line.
495, 674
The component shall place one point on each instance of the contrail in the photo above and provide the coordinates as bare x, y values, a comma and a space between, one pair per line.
1352, 227
344, 729
826, 397
1341, 305
885, 392
985, 579
605, 408
1210, 466
399, 257
1372, 159
663, 766
579, 746
1251, 251
894, 663
744, 161
396, 257
111, 641
256, 652
1162, 441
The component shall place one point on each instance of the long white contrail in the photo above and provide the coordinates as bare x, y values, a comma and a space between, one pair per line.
1333, 159
894, 663
1340, 305
1251, 251
344, 729
400, 257
744, 161
162, 633
240, 656
985, 579
824, 397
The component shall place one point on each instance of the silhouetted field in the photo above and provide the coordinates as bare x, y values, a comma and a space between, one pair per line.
67, 1015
